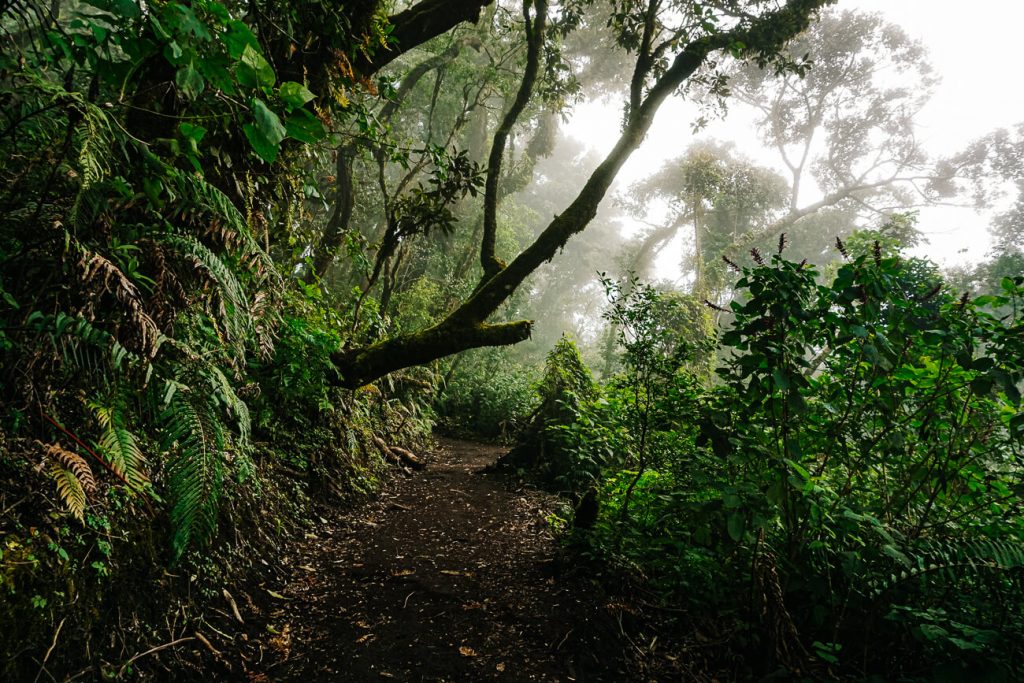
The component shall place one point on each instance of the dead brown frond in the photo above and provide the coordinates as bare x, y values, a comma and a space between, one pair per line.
264, 306
103, 275
168, 291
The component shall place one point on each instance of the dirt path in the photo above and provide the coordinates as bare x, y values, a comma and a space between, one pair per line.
449, 576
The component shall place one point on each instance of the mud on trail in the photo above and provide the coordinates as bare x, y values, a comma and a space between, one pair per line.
449, 576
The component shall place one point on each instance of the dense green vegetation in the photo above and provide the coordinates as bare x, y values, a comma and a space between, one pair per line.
249, 249
845, 495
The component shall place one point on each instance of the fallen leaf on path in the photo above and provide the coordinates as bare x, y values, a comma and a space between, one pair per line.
403, 572
500, 666
283, 641
362, 639
452, 572
362, 624
275, 594
467, 651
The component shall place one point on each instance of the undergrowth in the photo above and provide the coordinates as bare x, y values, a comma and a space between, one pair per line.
844, 497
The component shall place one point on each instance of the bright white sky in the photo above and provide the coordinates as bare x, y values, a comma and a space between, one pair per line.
975, 49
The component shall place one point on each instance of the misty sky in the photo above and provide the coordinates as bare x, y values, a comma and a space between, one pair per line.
974, 48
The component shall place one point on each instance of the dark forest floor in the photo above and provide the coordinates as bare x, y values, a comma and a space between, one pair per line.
450, 575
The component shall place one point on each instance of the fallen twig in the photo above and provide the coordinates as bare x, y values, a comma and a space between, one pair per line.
151, 650
49, 652
234, 606
209, 646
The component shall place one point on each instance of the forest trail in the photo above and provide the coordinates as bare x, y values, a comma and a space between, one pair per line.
449, 576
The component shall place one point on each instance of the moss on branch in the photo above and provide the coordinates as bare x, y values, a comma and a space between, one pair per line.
357, 367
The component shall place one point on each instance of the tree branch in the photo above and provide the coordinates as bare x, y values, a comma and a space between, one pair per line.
361, 366
534, 41
464, 328
417, 25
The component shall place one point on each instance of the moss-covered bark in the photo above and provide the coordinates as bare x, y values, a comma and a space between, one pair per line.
465, 328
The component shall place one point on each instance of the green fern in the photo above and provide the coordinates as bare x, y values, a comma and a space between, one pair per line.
236, 408
98, 142
233, 306
118, 445
196, 470
201, 197
951, 560
85, 346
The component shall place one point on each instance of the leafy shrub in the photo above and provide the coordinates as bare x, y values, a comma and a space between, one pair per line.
486, 394
850, 488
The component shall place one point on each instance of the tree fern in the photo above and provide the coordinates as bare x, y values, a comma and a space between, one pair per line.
196, 469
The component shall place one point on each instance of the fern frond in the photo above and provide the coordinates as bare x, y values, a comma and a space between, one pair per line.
70, 489
232, 305
73, 477
224, 222
196, 471
99, 271
97, 141
235, 407
228, 224
119, 446
75, 463
953, 560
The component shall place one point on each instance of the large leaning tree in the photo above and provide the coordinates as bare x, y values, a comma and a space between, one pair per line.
671, 44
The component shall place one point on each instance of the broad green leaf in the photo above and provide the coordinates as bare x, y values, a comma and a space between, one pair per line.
266, 134
191, 131
253, 69
237, 38
121, 8
304, 126
260, 144
295, 95
781, 379
190, 81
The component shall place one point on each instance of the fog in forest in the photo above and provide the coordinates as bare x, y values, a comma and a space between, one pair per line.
874, 137
620, 340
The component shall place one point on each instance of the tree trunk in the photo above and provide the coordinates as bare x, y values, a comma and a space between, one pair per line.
465, 328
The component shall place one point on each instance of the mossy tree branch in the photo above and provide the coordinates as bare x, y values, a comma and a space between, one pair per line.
465, 328
418, 24
534, 42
